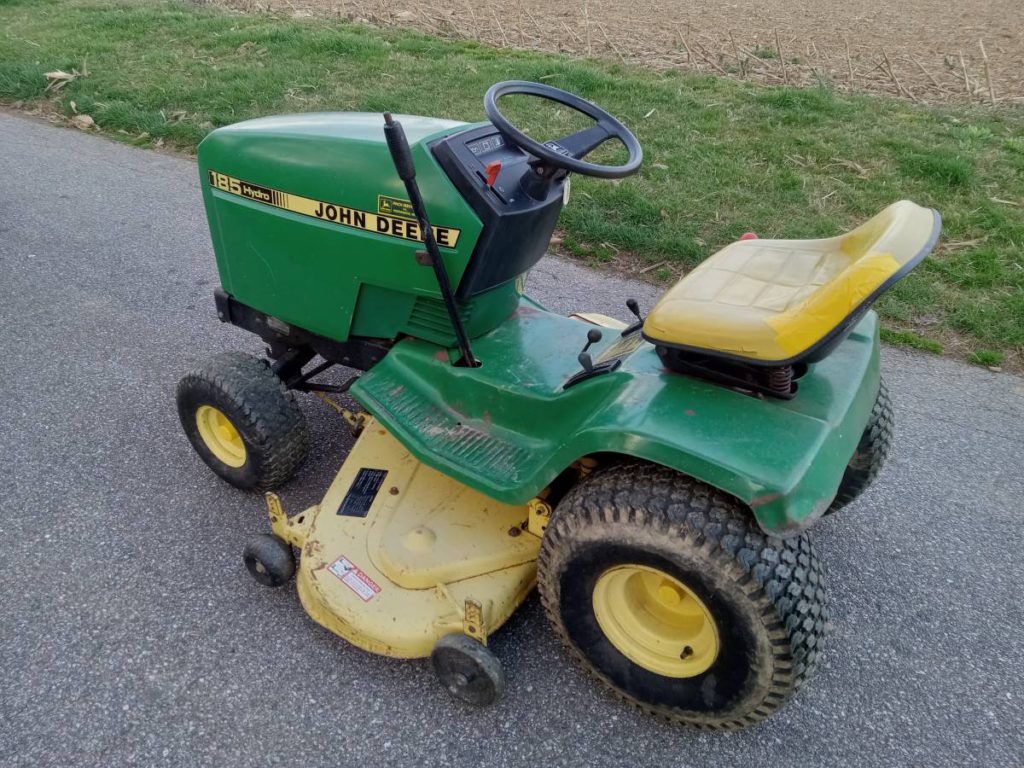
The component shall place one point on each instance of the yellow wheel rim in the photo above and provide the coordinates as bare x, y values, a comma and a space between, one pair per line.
220, 436
655, 621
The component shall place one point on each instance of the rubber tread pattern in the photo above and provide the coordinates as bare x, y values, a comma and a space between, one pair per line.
782, 577
870, 454
275, 432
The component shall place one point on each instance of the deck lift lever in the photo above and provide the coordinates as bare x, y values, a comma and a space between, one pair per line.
402, 158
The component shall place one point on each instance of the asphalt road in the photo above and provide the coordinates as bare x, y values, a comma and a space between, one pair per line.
131, 634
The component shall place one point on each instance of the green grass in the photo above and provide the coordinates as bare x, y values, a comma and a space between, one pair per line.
911, 339
722, 157
986, 357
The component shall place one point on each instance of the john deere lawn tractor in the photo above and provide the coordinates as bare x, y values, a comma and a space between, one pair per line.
654, 478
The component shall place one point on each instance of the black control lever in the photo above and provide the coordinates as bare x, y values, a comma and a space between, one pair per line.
634, 306
590, 368
593, 336
401, 156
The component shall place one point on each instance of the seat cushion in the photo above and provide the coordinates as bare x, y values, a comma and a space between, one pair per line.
773, 301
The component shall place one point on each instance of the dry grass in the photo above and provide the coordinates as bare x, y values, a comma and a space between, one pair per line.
924, 50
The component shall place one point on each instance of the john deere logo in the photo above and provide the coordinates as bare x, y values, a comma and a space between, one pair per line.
393, 206
394, 217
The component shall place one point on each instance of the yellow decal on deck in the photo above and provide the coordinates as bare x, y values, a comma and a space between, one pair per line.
393, 226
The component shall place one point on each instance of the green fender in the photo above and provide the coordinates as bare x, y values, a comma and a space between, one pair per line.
509, 428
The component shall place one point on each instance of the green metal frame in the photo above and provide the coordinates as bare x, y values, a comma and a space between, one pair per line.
508, 428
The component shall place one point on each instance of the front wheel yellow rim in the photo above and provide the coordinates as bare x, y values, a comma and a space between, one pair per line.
655, 621
220, 436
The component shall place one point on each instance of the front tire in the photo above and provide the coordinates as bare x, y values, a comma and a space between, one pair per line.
665, 590
242, 421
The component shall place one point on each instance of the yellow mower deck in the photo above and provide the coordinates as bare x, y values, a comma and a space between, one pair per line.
398, 555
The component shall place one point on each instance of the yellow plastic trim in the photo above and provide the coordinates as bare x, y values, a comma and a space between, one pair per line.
220, 436
772, 300
655, 621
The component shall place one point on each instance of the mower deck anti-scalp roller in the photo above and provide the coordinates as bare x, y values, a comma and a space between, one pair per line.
654, 477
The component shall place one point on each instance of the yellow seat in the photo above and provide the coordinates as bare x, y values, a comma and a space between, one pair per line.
774, 302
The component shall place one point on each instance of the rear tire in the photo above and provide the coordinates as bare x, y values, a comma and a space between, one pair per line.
764, 596
243, 422
870, 454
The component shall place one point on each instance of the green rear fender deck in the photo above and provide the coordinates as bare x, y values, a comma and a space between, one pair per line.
508, 428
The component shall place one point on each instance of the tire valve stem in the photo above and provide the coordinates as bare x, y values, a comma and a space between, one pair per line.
687, 653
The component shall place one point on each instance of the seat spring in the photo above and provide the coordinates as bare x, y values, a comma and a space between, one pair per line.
780, 379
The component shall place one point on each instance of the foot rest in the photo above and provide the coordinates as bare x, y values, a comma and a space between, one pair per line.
473, 445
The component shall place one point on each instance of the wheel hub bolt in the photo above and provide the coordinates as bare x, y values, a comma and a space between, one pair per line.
459, 680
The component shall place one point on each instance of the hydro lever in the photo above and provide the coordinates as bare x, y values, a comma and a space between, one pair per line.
401, 156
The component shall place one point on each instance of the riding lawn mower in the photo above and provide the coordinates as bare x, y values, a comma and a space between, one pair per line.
655, 479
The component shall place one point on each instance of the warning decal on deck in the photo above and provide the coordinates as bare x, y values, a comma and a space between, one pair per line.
396, 223
353, 577
362, 492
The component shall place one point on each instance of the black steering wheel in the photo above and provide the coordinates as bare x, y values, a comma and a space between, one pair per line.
566, 153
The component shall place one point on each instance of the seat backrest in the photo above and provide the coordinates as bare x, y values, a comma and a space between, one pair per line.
901, 231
